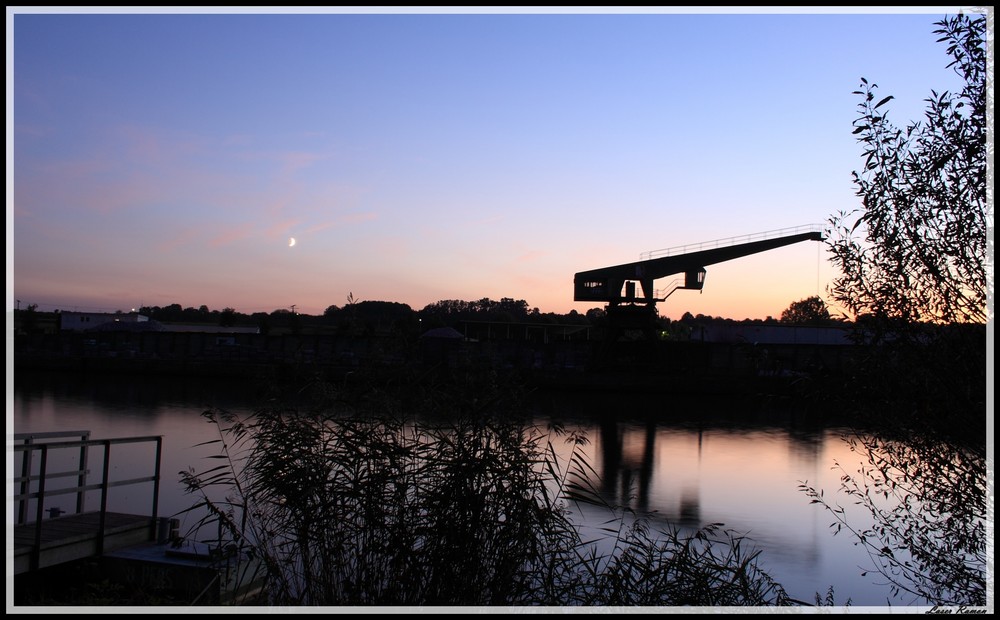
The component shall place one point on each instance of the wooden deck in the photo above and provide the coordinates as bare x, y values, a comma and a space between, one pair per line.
74, 537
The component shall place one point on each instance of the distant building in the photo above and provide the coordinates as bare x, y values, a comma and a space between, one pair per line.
754, 333
208, 328
135, 322
83, 321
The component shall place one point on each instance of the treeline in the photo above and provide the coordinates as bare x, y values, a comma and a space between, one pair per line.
367, 316
371, 315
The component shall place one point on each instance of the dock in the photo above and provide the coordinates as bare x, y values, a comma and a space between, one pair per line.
141, 549
42, 542
75, 537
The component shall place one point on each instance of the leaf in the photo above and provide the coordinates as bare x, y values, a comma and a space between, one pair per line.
206, 443
884, 101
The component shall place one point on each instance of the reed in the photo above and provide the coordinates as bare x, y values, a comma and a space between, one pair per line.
406, 491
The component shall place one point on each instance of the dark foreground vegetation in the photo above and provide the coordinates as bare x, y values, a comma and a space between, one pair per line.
88, 583
395, 491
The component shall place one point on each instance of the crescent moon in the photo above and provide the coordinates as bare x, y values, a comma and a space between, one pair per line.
291, 241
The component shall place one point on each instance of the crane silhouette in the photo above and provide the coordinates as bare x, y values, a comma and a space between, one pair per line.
616, 285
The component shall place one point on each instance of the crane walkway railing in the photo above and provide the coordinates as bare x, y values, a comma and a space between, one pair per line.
661, 294
729, 241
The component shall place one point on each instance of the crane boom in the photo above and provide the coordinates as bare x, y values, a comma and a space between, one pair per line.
616, 284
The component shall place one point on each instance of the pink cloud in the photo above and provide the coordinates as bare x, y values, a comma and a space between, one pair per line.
134, 190
185, 237
144, 145
232, 235
237, 140
280, 229
142, 168
34, 131
345, 220
293, 161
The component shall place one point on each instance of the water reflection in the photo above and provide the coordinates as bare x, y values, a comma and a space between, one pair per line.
688, 462
693, 462
657, 461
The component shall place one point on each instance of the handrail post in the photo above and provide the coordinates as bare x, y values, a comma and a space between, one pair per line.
156, 487
36, 552
82, 480
22, 506
104, 498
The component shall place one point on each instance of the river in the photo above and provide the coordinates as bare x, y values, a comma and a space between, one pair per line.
688, 461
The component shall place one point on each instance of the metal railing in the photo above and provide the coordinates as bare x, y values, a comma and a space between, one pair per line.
721, 243
32, 448
661, 294
26, 463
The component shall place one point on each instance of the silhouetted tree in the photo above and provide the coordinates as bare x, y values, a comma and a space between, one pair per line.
374, 316
808, 311
263, 321
922, 254
596, 315
29, 318
916, 249
173, 312
227, 318
916, 281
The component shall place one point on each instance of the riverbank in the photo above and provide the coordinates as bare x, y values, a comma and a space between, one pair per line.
657, 367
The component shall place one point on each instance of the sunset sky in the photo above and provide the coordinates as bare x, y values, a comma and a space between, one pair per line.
415, 157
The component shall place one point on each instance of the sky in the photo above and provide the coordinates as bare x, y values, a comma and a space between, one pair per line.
161, 157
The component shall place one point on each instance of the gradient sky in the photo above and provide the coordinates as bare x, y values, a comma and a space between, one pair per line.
168, 158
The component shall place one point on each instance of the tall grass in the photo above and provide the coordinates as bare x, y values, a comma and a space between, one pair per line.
388, 490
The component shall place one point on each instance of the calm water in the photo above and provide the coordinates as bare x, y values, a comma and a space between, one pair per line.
691, 462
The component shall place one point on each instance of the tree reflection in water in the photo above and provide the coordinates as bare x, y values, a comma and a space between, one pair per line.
928, 503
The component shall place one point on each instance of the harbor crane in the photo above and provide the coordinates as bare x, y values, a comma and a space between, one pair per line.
628, 307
